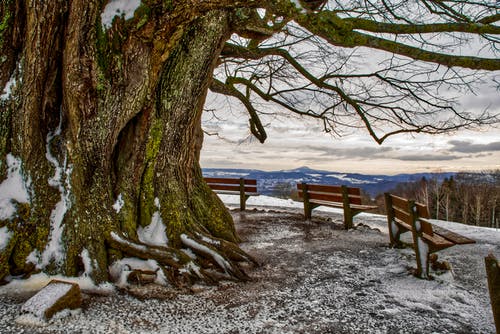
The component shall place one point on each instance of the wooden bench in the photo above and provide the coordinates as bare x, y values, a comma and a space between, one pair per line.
347, 198
405, 215
234, 186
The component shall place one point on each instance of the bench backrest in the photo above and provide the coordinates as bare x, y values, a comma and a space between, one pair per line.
232, 184
330, 193
399, 208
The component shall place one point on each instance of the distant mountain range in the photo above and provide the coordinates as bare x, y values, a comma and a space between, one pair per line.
372, 184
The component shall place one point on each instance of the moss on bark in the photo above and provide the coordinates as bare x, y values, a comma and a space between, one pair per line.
126, 129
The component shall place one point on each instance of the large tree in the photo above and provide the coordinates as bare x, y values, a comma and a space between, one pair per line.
100, 115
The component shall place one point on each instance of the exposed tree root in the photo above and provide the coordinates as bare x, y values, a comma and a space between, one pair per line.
163, 255
215, 259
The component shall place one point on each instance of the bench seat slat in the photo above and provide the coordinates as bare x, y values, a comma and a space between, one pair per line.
220, 180
452, 236
422, 210
327, 203
228, 192
436, 241
426, 226
335, 196
340, 205
321, 188
399, 202
330, 197
325, 197
232, 188
309, 192
363, 207
403, 225
402, 216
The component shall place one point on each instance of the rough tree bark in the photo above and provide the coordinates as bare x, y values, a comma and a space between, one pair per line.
102, 114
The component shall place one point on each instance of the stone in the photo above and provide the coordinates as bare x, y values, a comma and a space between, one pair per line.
54, 297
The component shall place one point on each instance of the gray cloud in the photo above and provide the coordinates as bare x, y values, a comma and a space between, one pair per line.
389, 153
488, 99
428, 157
483, 155
463, 146
353, 152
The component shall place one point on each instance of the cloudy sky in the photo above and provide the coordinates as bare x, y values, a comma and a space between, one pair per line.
294, 142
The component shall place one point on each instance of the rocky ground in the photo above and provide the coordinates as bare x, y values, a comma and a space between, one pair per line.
314, 277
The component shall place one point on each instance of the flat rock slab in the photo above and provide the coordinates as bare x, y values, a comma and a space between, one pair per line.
54, 297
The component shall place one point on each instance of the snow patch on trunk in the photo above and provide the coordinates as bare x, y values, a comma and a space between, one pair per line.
87, 263
7, 91
5, 236
155, 233
298, 6
118, 204
125, 8
13, 188
61, 180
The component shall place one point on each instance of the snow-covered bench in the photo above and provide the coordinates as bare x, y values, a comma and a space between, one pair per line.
405, 215
347, 198
234, 186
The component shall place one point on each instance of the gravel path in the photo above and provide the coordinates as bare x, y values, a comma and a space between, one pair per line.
314, 278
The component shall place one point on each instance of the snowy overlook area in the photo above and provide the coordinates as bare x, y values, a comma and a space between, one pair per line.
314, 277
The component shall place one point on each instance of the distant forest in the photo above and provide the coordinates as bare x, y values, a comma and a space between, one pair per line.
469, 198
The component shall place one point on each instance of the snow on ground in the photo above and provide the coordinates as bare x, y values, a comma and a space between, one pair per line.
344, 178
314, 277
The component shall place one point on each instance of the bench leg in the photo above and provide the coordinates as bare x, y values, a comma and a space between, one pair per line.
348, 212
308, 208
307, 205
243, 197
422, 253
394, 235
394, 232
348, 220
422, 249
243, 202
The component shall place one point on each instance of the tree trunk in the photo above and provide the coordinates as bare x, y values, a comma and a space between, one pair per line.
107, 126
